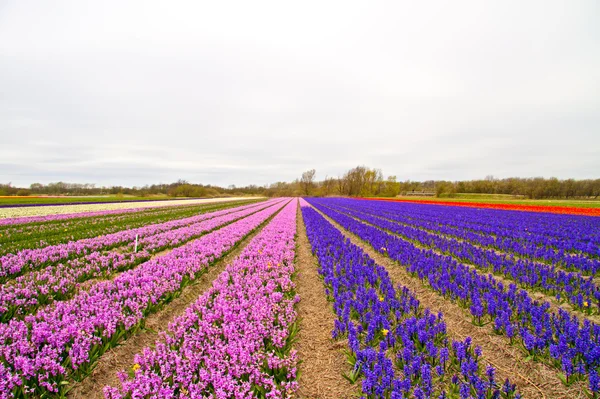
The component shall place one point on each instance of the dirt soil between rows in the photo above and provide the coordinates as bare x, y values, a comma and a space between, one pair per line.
533, 379
323, 360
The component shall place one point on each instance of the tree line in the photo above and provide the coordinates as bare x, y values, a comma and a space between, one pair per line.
367, 182
360, 181
180, 188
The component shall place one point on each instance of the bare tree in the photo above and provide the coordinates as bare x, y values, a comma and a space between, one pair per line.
328, 186
308, 181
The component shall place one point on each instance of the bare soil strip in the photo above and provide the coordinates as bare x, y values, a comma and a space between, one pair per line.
534, 379
121, 357
323, 360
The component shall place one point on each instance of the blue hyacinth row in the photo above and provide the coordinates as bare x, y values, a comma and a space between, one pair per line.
557, 338
397, 348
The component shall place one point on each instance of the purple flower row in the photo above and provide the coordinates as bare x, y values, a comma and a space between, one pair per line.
398, 348
41, 353
37, 235
560, 339
26, 293
581, 292
547, 231
14, 264
235, 341
524, 243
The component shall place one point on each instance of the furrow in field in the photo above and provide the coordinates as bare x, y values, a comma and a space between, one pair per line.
323, 360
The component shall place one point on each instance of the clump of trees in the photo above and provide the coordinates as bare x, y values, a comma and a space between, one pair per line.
9, 189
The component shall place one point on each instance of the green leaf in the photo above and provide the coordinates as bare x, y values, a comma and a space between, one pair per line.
563, 378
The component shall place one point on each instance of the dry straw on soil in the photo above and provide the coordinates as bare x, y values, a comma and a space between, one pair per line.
323, 360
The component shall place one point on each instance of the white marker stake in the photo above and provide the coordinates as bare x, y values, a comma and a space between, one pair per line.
136, 242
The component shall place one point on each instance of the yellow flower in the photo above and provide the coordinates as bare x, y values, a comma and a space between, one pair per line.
385, 332
586, 303
136, 367
381, 298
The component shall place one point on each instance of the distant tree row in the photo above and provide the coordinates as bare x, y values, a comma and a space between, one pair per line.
180, 188
366, 182
359, 181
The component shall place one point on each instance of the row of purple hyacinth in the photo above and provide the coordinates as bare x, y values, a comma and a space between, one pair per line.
14, 238
42, 353
535, 247
547, 231
559, 339
27, 293
581, 292
398, 348
235, 341
14, 264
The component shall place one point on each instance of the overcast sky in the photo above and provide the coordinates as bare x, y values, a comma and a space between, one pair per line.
223, 92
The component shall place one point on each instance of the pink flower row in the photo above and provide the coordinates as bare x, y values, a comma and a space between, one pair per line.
234, 341
62, 341
25, 293
12, 264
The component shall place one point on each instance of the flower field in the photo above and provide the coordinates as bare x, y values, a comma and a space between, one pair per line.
566, 210
59, 212
423, 301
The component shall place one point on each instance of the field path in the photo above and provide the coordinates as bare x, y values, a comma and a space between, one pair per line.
122, 357
533, 379
323, 361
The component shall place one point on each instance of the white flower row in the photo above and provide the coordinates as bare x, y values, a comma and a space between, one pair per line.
45, 210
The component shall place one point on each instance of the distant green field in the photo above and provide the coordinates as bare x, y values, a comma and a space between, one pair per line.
509, 199
74, 200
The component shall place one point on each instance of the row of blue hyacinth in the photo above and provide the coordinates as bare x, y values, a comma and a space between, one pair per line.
572, 287
558, 339
399, 349
562, 238
577, 249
